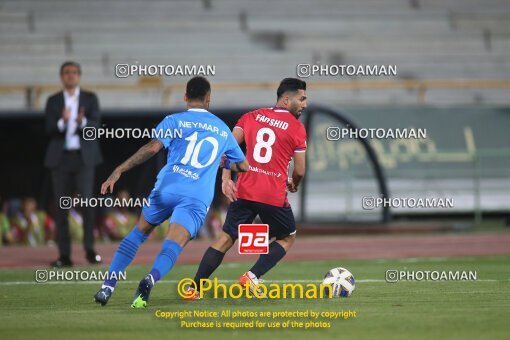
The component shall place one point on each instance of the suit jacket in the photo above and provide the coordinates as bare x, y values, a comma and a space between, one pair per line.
90, 151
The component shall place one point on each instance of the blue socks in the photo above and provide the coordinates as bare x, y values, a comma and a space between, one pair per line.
124, 255
165, 260
127, 251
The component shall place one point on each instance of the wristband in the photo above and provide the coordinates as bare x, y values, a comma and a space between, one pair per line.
226, 164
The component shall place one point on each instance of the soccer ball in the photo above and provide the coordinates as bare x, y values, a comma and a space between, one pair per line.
340, 280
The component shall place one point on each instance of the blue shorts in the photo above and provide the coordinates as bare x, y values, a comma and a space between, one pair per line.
186, 211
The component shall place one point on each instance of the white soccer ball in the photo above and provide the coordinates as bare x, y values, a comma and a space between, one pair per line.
340, 280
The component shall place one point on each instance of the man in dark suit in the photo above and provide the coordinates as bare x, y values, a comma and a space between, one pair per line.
72, 159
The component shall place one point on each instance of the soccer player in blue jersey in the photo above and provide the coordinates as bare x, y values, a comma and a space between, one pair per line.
195, 140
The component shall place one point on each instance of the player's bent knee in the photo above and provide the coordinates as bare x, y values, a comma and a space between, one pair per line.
287, 241
144, 226
179, 234
223, 243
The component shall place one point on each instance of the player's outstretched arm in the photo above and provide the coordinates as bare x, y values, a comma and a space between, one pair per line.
299, 171
143, 154
238, 133
228, 187
243, 166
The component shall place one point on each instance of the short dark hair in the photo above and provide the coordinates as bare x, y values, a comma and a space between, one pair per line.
70, 63
197, 88
290, 85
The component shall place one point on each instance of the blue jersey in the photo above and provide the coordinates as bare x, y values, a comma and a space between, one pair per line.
195, 139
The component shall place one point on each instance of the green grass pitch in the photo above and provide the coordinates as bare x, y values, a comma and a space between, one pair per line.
403, 310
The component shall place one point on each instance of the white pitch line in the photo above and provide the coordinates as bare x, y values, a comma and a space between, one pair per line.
174, 281
14, 283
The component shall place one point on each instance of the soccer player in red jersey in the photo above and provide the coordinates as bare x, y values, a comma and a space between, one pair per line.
273, 137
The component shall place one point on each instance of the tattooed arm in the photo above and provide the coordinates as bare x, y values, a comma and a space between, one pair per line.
143, 154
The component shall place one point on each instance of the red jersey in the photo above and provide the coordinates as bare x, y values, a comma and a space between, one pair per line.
272, 135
